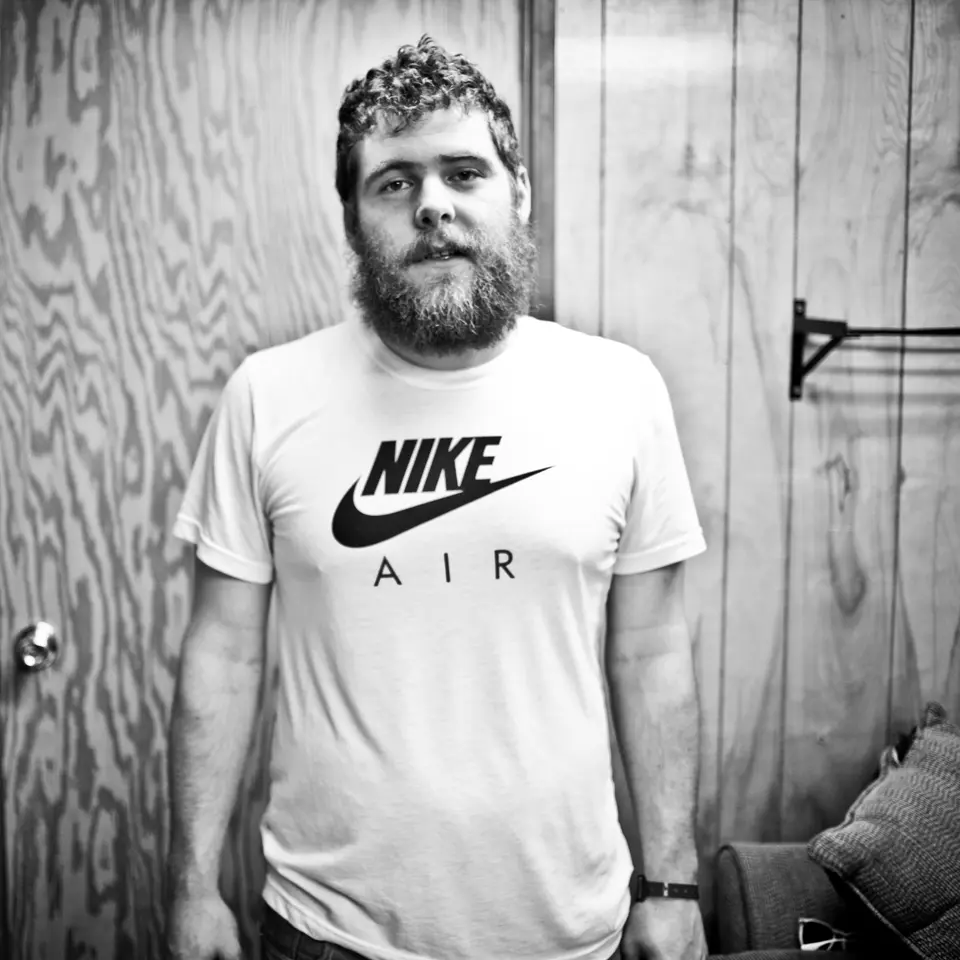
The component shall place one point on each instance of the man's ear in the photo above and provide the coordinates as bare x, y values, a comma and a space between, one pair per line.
350, 225
523, 194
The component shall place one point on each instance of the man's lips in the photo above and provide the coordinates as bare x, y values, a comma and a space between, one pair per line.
441, 256
440, 261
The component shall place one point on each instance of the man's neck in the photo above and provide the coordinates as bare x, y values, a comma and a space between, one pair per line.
461, 360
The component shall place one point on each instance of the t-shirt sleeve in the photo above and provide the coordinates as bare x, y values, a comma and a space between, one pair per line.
222, 511
662, 526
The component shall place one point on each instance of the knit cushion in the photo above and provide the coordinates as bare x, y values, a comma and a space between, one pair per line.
897, 851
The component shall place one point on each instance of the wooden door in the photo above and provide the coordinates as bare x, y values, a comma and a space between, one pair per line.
166, 207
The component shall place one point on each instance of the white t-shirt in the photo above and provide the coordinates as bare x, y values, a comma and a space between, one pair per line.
441, 544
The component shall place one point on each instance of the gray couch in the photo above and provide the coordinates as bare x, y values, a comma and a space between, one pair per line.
889, 872
762, 890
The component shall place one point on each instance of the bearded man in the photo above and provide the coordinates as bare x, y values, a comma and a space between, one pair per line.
446, 502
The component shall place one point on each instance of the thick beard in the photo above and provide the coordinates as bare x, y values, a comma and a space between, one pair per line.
450, 313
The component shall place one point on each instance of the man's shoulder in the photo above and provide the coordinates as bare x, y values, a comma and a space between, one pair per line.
559, 344
302, 367
286, 382
326, 346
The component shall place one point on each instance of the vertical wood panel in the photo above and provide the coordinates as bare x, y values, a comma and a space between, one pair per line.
538, 141
166, 206
579, 165
927, 639
763, 226
666, 210
853, 129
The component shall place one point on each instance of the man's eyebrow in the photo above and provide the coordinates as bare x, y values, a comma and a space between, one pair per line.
398, 164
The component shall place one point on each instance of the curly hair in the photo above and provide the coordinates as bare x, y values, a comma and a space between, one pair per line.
405, 88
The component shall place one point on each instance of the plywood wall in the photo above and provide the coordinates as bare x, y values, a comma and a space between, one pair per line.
167, 206
715, 160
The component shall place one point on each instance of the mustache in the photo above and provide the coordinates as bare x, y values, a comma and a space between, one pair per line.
437, 245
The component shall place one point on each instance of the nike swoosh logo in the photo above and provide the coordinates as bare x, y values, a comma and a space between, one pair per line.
352, 528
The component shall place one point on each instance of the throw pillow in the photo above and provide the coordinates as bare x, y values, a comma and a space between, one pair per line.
897, 851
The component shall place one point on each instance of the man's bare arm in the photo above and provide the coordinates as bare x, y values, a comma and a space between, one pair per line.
221, 669
656, 716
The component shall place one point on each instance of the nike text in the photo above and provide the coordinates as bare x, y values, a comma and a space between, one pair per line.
418, 466
392, 464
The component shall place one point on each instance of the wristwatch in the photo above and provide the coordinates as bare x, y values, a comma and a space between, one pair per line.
643, 889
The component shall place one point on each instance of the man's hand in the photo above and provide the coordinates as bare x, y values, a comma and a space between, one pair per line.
202, 928
664, 930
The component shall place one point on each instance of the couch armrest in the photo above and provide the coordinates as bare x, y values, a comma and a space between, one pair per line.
762, 890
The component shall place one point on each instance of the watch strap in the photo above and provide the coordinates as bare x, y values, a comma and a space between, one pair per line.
644, 889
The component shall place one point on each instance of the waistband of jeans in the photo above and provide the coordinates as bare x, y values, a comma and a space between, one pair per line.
291, 940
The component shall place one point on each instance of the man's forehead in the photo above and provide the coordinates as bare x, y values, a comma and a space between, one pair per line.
438, 133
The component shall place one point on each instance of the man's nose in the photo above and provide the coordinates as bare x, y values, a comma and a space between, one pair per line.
435, 204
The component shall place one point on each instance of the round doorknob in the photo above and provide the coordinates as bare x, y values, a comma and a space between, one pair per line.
36, 647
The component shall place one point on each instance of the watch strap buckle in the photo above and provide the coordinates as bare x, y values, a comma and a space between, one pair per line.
643, 889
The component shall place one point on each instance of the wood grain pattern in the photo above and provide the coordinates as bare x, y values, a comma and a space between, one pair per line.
756, 591
167, 206
850, 245
538, 141
12, 460
927, 624
666, 210
578, 252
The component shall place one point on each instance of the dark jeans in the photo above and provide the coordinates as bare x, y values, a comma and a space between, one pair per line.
281, 941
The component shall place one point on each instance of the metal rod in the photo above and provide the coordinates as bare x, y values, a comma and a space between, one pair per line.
838, 331
894, 332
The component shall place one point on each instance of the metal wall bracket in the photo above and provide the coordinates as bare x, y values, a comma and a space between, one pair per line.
803, 326
837, 331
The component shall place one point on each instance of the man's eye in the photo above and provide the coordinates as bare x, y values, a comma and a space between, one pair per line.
393, 186
465, 176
